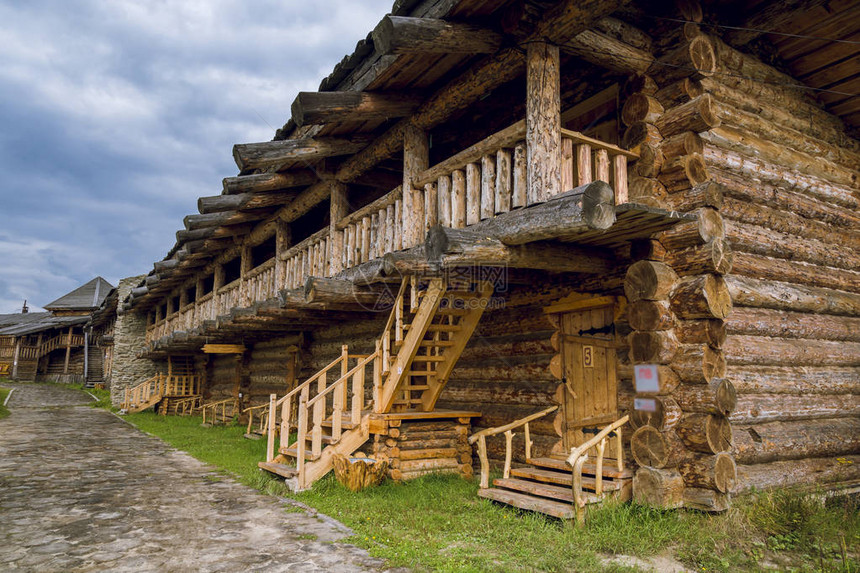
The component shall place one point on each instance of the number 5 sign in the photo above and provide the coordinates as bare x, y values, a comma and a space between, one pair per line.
588, 356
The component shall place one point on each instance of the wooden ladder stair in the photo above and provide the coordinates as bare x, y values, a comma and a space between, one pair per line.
546, 486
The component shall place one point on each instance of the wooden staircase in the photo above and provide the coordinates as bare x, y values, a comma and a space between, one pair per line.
546, 486
554, 485
429, 326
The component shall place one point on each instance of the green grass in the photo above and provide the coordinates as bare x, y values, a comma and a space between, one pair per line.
437, 523
4, 411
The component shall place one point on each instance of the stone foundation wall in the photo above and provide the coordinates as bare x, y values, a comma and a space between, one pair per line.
129, 339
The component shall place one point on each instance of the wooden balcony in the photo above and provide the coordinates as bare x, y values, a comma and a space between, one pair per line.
481, 182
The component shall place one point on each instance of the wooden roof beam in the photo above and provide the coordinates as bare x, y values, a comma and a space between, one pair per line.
771, 16
403, 35
243, 201
315, 108
275, 154
258, 182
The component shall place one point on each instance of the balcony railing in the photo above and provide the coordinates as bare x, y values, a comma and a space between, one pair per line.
482, 181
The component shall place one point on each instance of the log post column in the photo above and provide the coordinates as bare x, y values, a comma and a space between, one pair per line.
416, 158
68, 351
283, 241
338, 209
16, 358
543, 121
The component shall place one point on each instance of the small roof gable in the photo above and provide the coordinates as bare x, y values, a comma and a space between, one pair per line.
88, 296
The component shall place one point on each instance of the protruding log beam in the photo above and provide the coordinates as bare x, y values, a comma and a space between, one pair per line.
404, 35
679, 92
447, 248
706, 499
201, 234
244, 201
167, 265
708, 226
641, 107
258, 182
590, 206
664, 417
706, 331
704, 296
695, 59
653, 347
314, 108
274, 154
323, 290
209, 220
650, 315
613, 53
716, 256
697, 115
683, 172
139, 291
707, 194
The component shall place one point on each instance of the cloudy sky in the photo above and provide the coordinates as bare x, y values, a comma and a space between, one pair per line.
117, 114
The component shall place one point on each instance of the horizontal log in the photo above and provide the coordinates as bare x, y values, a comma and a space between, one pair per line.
610, 52
315, 108
404, 35
244, 201
708, 226
219, 203
706, 499
828, 131
666, 378
683, 172
649, 280
686, 143
718, 396
162, 266
650, 315
665, 416
324, 290
590, 206
798, 272
768, 242
816, 472
801, 380
705, 433
535, 394
449, 248
259, 182
194, 222
796, 439
724, 150
707, 194
679, 92
703, 296
711, 332
758, 408
698, 363
717, 472
715, 256
788, 223
785, 324
697, 115
767, 351
660, 488
641, 134
139, 291
641, 107
652, 347
275, 154
753, 292
655, 449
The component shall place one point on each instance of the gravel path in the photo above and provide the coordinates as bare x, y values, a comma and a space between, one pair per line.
81, 490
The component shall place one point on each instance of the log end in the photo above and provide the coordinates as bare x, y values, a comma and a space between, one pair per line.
598, 205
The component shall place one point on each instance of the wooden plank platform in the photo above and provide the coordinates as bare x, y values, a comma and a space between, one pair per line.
609, 468
282, 470
560, 478
530, 503
556, 492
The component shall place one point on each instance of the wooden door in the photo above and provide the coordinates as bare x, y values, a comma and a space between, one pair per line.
588, 363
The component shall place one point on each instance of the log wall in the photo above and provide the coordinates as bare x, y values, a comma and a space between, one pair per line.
771, 265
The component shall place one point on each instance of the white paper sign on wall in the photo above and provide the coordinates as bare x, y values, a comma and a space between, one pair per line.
645, 405
647, 378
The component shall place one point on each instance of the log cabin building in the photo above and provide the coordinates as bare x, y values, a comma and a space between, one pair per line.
55, 346
608, 245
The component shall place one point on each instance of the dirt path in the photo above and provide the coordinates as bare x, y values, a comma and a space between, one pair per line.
80, 490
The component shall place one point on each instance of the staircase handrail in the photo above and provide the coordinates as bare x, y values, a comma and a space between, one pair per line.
395, 316
308, 382
364, 360
579, 454
214, 405
481, 438
137, 390
264, 417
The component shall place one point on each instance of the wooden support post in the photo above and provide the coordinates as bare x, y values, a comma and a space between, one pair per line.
283, 241
16, 358
416, 159
509, 438
485, 463
338, 210
543, 121
68, 351
270, 438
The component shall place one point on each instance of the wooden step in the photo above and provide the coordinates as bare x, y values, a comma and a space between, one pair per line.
346, 423
430, 343
529, 502
610, 470
282, 470
438, 327
561, 478
452, 311
309, 456
404, 402
429, 373
556, 492
415, 388
429, 359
